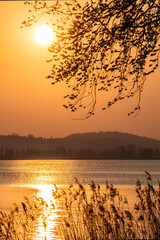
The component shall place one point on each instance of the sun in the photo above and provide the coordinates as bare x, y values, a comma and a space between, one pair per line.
44, 35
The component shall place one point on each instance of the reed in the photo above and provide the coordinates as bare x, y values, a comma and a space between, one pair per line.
99, 215
106, 215
19, 224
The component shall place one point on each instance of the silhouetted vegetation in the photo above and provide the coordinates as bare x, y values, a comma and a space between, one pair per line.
20, 222
99, 215
106, 215
122, 152
109, 145
102, 45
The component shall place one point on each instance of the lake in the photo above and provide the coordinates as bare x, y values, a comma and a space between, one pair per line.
20, 178
46, 172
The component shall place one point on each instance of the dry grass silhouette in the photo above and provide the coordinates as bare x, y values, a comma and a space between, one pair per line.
95, 216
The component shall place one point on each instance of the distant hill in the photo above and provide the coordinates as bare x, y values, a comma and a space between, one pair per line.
92, 140
102, 145
109, 140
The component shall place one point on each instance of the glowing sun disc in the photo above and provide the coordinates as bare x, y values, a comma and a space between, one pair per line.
44, 35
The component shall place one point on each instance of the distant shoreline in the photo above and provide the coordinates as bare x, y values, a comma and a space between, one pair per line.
69, 158
103, 145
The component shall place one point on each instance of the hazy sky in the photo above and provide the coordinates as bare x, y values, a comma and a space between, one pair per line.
30, 104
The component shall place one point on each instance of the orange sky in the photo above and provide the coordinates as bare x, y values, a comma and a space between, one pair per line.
30, 104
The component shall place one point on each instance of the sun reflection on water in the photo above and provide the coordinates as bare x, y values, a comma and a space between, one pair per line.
45, 192
48, 220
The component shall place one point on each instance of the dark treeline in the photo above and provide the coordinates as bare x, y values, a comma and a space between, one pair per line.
121, 152
101, 145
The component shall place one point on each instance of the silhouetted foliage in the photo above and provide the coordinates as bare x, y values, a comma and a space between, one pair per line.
102, 145
102, 45
121, 152
98, 213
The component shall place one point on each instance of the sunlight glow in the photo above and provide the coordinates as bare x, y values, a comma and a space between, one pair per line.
48, 220
44, 35
45, 192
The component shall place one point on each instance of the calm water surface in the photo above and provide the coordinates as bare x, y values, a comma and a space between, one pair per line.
33, 172
42, 174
